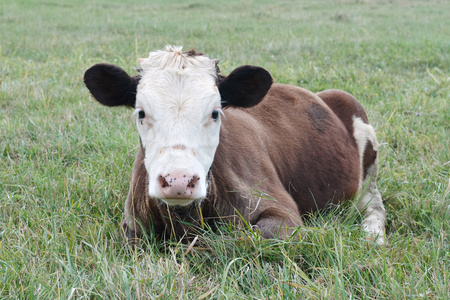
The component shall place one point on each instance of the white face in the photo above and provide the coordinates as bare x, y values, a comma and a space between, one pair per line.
178, 119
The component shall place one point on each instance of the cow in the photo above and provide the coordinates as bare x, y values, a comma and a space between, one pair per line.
237, 148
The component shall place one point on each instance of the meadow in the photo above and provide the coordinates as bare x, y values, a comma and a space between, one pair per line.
65, 161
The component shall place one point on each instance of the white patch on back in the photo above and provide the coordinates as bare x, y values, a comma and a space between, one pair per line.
363, 132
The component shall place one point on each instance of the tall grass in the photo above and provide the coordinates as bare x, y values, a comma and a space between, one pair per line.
65, 161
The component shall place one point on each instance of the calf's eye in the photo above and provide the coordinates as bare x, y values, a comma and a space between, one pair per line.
215, 115
141, 114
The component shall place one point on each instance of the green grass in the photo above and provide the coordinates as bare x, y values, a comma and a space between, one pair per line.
65, 161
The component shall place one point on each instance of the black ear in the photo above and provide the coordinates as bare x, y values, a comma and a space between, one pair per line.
246, 86
111, 85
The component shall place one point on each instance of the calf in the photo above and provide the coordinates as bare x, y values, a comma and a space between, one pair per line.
235, 147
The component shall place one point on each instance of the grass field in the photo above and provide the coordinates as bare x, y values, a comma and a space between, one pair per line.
65, 161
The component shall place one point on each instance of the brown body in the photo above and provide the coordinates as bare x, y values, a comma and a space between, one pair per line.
292, 154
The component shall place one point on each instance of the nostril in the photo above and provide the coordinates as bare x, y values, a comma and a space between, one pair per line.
163, 182
193, 182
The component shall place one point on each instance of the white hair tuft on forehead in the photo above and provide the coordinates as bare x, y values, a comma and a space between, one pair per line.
172, 57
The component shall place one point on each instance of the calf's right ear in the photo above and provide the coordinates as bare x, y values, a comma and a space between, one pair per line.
111, 85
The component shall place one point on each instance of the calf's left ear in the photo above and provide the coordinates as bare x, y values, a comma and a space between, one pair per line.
111, 85
246, 86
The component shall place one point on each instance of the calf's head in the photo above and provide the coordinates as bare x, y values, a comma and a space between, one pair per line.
178, 99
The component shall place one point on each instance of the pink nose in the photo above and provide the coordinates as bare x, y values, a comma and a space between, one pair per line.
178, 185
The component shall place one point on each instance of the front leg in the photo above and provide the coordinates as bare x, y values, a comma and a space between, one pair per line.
129, 236
275, 223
